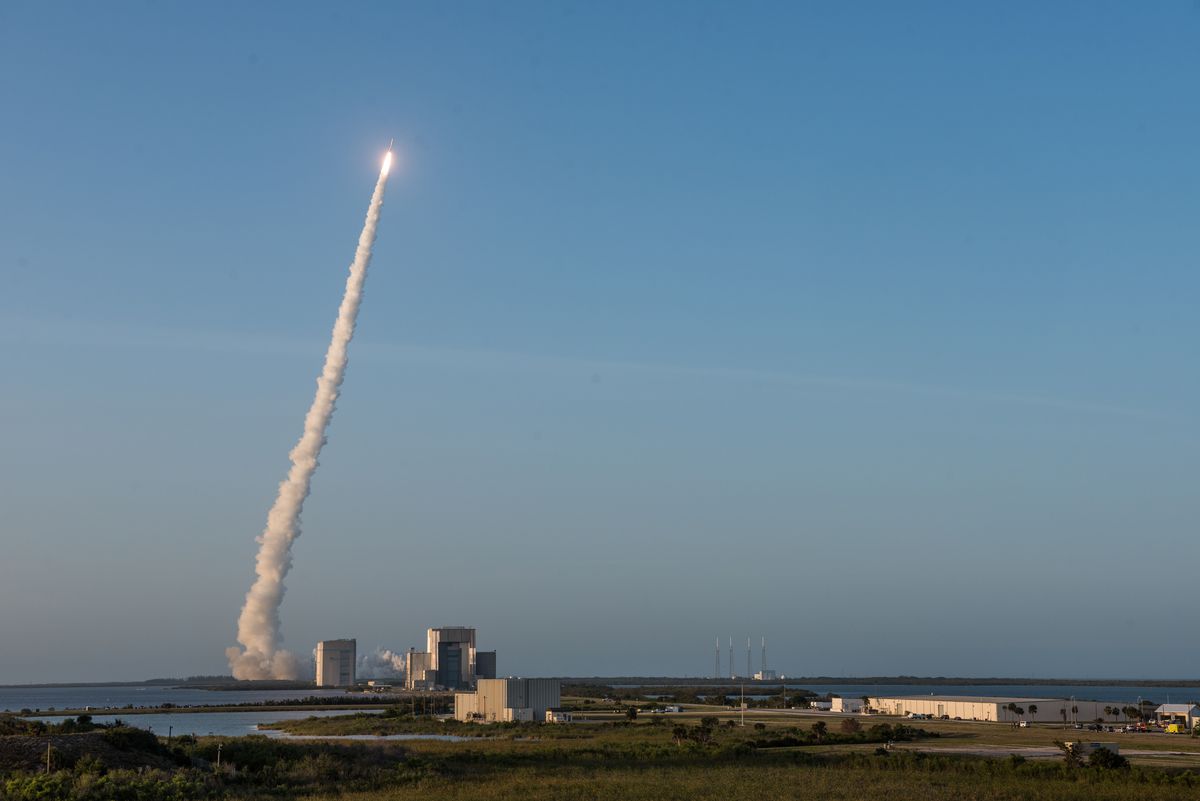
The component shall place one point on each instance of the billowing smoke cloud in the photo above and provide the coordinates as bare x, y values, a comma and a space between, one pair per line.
260, 656
383, 664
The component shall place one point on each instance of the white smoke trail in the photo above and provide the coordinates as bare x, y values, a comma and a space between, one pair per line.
260, 656
383, 664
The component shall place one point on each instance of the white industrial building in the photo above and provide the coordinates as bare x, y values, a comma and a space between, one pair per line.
839, 704
505, 700
974, 707
450, 661
1185, 715
335, 663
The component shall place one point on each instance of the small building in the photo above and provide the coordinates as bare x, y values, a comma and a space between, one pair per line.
1186, 716
839, 704
335, 663
504, 700
821, 706
558, 716
766, 675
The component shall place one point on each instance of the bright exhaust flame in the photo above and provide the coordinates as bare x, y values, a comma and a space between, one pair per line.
387, 163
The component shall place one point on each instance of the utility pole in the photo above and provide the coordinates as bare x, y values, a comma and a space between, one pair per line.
732, 669
743, 704
764, 656
47, 757
219, 756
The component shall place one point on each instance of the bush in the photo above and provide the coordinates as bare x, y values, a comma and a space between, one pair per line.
1108, 760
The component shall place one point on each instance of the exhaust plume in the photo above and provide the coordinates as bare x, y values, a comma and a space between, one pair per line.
260, 656
383, 664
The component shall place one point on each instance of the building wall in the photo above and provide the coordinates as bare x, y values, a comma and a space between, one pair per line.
508, 699
335, 663
418, 671
454, 643
995, 709
485, 664
846, 704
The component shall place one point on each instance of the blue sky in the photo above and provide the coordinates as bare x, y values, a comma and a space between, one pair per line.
869, 327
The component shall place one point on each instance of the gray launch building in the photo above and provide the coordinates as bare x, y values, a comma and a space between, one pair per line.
450, 661
335, 663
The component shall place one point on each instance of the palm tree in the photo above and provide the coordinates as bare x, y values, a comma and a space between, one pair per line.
1032, 711
1063, 712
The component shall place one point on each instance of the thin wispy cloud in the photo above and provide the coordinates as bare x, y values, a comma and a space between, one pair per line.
113, 335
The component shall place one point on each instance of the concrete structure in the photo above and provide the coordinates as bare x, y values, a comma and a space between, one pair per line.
1186, 715
452, 654
449, 661
335, 663
839, 704
557, 716
485, 664
500, 700
418, 673
976, 707
821, 706
765, 675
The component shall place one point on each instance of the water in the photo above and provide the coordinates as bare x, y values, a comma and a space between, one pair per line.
227, 724
14, 699
1082, 692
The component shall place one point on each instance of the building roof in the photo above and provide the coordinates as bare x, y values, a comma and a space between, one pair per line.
1177, 709
977, 699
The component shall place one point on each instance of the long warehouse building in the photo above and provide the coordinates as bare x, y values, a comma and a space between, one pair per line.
975, 707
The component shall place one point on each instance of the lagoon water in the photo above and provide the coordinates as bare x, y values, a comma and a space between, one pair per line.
1081, 692
227, 724
14, 699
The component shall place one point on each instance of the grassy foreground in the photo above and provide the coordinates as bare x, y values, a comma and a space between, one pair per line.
695, 756
754, 782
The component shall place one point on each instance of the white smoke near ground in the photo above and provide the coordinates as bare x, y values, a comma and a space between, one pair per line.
259, 656
383, 664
